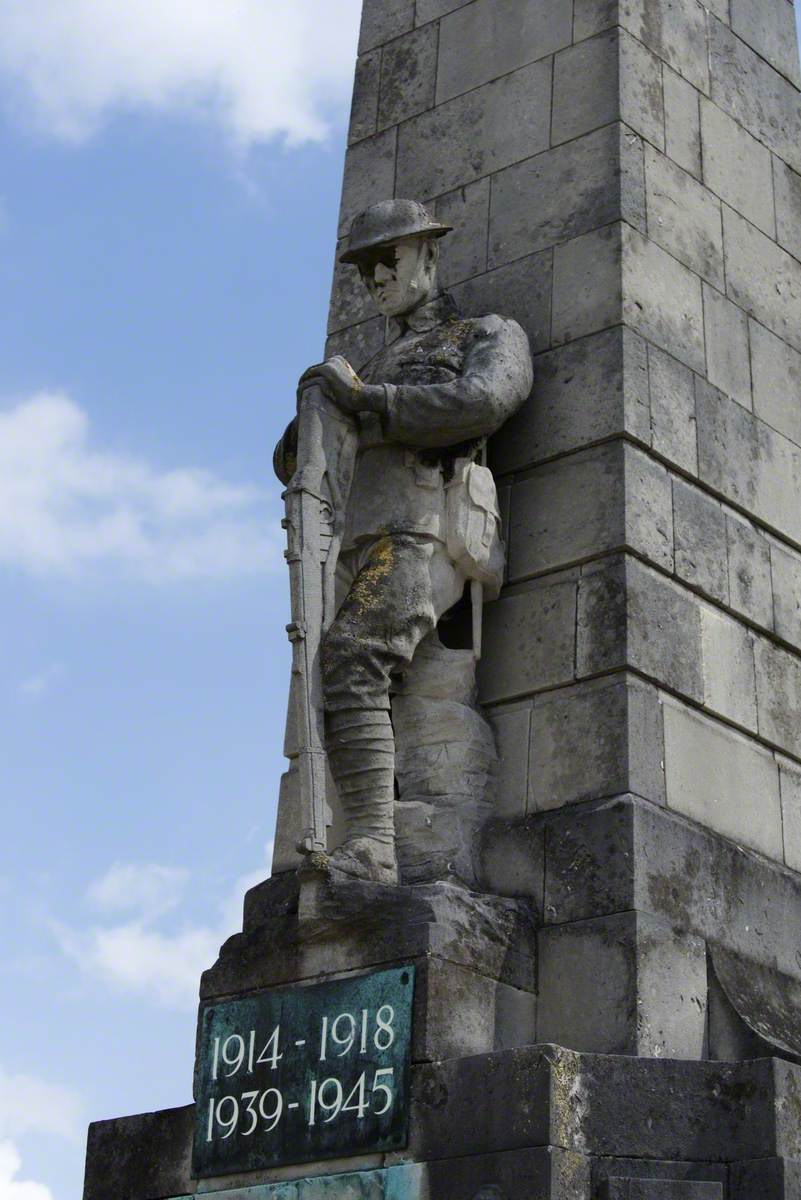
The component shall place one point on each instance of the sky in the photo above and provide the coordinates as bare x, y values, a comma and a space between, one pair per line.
169, 184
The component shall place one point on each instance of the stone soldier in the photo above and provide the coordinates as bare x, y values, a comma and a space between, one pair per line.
425, 406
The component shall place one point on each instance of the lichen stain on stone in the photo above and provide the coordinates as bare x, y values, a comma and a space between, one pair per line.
367, 590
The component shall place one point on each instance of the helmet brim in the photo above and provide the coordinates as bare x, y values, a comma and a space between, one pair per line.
354, 255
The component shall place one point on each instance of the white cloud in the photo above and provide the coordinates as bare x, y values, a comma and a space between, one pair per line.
30, 1105
259, 68
69, 508
12, 1188
138, 958
144, 888
34, 687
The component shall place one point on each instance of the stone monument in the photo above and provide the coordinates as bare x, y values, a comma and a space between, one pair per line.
539, 942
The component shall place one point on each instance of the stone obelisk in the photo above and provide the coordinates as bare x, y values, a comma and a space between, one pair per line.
617, 1013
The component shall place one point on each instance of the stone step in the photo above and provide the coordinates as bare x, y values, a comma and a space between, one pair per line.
662, 1189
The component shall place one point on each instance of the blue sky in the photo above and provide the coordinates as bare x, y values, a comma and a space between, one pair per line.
168, 199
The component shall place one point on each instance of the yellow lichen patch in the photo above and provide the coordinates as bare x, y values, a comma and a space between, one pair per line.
367, 587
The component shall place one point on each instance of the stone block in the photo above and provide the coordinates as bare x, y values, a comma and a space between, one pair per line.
369, 175
750, 587
728, 364
611, 367
476, 134
661, 1189
729, 681
512, 858
672, 399
512, 725
631, 616
594, 740
748, 462
625, 984
675, 30
383, 20
701, 549
357, 343
790, 784
770, 29
603, 173
777, 382
593, 16
762, 278
778, 676
649, 510
737, 167
786, 578
587, 284
769, 1178
641, 98
521, 290
679, 1175
586, 93
432, 10
662, 299
529, 640
364, 107
464, 254
509, 35
682, 123
787, 188
722, 780
458, 1012
147, 1155
684, 217
408, 77
548, 1173
752, 92
351, 303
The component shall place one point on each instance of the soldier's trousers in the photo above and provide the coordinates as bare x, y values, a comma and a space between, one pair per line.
395, 589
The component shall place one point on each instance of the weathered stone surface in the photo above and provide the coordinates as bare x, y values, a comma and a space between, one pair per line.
684, 217
737, 167
467, 210
715, 775
777, 382
509, 35
512, 725
593, 16
661, 1189
750, 587
358, 343
529, 640
364, 109
550, 1173
762, 278
587, 284
610, 366
585, 87
148, 1155
701, 551
641, 97
475, 134
622, 985
602, 171
682, 123
369, 172
679, 1175
673, 426
786, 575
513, 859
384, 19
728, 364
408, 77
675, 30
662, 299
778, 677
748, 462
787, 187
770, 29
430, 10
749, 90
728, 652
521, 290
790, 781
596, 739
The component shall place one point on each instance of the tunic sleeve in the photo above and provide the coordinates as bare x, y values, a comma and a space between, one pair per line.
496, 379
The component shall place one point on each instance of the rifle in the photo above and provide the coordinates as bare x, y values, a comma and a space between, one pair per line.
315, 501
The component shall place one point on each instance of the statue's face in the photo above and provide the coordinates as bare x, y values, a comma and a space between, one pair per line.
403, 276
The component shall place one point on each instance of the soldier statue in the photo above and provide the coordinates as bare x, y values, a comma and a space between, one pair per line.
421, 519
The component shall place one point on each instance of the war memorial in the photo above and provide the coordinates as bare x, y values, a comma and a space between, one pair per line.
533, 930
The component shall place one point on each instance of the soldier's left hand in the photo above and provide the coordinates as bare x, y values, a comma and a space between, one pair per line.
340, 383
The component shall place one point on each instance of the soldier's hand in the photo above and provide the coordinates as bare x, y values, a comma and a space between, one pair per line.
342, 385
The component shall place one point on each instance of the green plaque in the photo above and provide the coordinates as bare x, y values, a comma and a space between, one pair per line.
302, 1073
